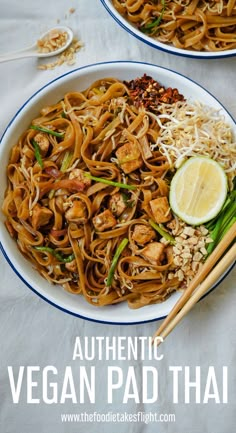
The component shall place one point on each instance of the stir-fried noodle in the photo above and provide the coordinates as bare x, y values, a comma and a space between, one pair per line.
88, 186
198, 25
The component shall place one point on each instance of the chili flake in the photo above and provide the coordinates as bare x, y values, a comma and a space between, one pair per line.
147, 92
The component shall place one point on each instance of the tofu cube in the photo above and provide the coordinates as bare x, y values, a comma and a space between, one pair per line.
72, 266
129, 157
40, 216
77, 173
142, 234
43, 143
77, 213
161, 210
153, 252
117, 204
104, 220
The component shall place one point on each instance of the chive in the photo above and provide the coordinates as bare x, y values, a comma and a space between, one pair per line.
148, 28
66, 161
48, 131
118, 252
37, 153
214, 235
229, 216
54, 253
64, 115
211, 224
127, 201
229, 225
125, 197
51, 193
219, 226
109, 182
162, 232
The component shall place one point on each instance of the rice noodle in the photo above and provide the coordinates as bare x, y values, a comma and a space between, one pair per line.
197, 25
71, 201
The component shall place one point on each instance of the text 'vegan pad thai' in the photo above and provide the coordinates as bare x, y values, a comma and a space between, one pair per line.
120, 192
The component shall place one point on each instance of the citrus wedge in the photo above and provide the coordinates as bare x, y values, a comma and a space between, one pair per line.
198, 190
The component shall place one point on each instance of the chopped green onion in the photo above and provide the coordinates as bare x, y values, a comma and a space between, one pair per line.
125, 197
37, 153
64, 115
127, 201
148, 28
211, 224
228, 226
214, 234
66, 161
54, 253
109, 182
48, 131
222, 223
97, 91
118, 252
162, 232
51, 194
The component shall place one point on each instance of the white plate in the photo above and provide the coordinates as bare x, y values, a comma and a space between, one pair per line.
134, 31
80, 79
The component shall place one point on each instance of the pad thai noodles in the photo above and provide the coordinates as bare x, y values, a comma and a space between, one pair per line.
87, 200
197, 25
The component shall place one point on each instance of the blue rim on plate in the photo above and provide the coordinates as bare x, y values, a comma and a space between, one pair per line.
6, 256
159, 45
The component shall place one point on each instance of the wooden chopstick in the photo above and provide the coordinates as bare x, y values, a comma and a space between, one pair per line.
219, 269
208, 265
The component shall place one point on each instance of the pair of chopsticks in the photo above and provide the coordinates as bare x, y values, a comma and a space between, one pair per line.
201, 283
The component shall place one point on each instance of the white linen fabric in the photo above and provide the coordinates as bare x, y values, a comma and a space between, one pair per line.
32, 332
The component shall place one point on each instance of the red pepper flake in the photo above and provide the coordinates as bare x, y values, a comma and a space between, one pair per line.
148, 93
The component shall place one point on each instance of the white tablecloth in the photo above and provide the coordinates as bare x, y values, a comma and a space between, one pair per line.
33, 333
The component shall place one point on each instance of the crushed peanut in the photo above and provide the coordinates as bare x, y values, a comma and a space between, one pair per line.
189, 231
52, 42
68, 56
188, 252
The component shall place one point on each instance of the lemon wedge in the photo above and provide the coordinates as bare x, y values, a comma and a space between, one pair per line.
198, 190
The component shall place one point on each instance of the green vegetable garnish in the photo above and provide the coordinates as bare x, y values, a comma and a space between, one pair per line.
48, 131
127, 201
222, 223
152, 27
118, 252
37, 153
51, 194
54, 253
66, 161
109, 182
162, 232
97, 91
